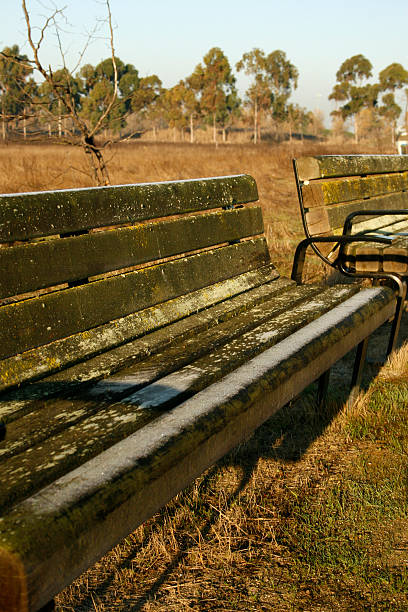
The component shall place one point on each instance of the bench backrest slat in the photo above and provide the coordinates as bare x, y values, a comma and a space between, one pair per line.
45, 213
61, 353
333, 191
77, 266
28, 267
363, 182
330, 219
330, 166
40, 320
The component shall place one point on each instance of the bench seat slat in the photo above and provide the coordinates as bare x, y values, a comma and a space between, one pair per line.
36, 363
19, 402
126, 483
28, 267
41, 320
26, 472
372, 257
324, 193
48, 213
326, 166
48, 417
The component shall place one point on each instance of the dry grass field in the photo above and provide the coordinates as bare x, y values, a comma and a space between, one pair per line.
311, 513
39, 167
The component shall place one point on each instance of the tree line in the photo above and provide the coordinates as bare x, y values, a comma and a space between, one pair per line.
112, 101
369, 105
207, 97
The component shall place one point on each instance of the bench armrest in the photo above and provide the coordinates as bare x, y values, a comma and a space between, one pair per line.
300, 253
348, 223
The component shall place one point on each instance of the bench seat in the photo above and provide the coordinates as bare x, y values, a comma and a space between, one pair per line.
117, 390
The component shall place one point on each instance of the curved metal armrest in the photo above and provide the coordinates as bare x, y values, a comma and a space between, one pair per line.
363, 213
300, 253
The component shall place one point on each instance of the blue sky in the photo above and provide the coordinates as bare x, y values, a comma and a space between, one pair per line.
169, 38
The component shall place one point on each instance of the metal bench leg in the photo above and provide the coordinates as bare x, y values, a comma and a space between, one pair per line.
396, 324
323, 388
358, 371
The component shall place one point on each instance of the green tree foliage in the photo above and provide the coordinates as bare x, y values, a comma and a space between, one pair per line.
147, 92
179, 106
283, 77
354, 70
350, 89
259, 95
99, 88
16, 89
215, 82
273, 79
57, 99
393, 77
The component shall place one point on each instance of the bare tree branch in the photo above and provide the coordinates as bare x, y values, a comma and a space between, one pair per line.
115, 76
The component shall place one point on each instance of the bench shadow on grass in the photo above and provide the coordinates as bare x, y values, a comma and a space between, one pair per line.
285, 437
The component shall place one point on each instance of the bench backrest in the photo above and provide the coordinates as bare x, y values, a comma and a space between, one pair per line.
85, 270
333, 186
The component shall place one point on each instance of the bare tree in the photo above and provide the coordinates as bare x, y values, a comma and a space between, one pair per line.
61, 84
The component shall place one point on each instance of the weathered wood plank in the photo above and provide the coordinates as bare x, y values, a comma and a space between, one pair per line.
325, 166
52, 357
41, 320
323, 193
47, 418
27, 472
388, 224
130, 481
17, 403
395, 257
330, 218
371, 257
48, 263
48, 213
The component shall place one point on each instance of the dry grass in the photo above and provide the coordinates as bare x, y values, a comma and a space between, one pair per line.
42, 167
309, 514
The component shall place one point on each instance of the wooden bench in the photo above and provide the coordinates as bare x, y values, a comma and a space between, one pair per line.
144, 333
355, 215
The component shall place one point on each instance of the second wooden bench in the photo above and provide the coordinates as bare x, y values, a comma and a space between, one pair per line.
354, 210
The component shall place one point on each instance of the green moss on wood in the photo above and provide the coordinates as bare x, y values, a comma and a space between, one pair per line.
48, 213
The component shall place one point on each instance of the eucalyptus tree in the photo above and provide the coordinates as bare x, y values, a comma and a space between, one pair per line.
16, 88
352, 89
259, 94
283, 77
393, 77
179, 105
215, 84
55, 100
273, 79
99, 85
